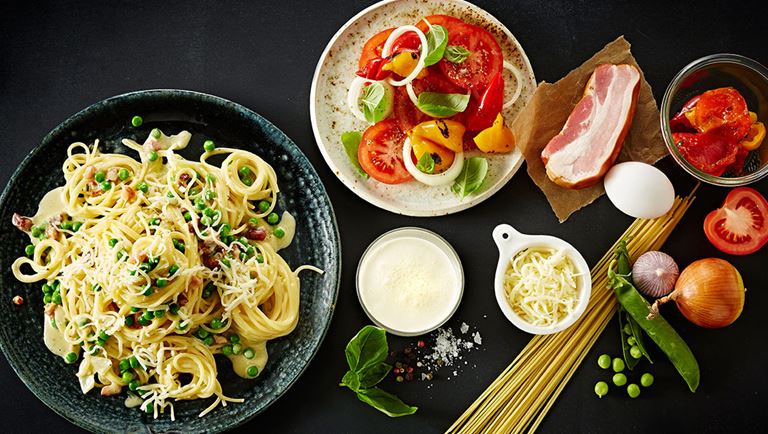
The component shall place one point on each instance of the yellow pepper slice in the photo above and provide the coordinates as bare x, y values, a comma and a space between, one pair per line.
755, 137
446, 133
404, 63
442, 157
753, 117
496, 138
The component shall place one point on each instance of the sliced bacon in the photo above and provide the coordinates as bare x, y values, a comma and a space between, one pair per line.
21, 222
591, 138
112, 174
128, 193
90, 172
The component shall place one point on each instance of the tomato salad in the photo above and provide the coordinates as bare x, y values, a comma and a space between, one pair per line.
430, 92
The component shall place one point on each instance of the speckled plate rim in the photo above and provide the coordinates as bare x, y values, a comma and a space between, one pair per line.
252, 116
350, 183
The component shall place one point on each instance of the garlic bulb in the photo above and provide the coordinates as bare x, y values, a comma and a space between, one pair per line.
655, 274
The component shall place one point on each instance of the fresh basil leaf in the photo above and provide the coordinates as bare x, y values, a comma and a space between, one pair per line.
442, 104
351, 141
351, 380
369, 347
372, 375
385, 402
377, 101
426, 163
456, 53
471, 177
437, 39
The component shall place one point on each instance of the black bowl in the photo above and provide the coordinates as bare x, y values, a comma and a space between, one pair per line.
316, 242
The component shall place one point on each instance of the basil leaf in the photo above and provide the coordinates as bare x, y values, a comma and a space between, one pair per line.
372, 375
442, 104
426, 163
377, 101
369, 347
385, 402
471, 177
351, 141
437, 39
351, 380
456, 53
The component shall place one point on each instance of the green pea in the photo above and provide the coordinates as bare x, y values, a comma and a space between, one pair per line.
279, 232
217, 323
134, 362
646, 380
260, 258
145, 321
134, 385
202, 333
149, 408
618, 365
47, 289
103, 336
226, 350
273, 218
169, 195
47, 299
631, 341
152, 156
156, 133
247, 180
249, 353
161, 282
173, 308
148, 314
148, 290
627, 329
253, 220
29, 250
209, 145
208, 290
121, 254
234, 338
243, 241
194, 192
56, 299
209, 194
124, 365
187, 216
244, 171
264, 206
173, 269
143, 187
210, 178
154, 221
619, 379
76, 226
135, 309
209, 341
136, 121
601, 389
635, 352
225, 262
106, 186
123, 174
205, 220
159, 313
200, 204
633, 390
252, 371
70, 357
604, 361
210, 212
36, 231
100, 176
129, 321
65, 225
236, 349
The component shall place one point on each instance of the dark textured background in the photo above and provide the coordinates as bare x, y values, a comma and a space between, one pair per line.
57, 58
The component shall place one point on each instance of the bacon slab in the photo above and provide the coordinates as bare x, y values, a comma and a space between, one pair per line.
591, 138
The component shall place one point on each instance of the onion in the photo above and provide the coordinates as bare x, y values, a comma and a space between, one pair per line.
709, 293
655, 274
432, 179
518, 84
385, 52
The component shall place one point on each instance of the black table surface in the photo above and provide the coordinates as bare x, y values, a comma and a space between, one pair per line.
57, 58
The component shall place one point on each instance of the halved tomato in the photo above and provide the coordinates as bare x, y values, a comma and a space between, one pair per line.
381, 152
406, 112
485, 58
740, 226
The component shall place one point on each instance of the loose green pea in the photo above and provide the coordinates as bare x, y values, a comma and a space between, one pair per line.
604, 361
619, 379
129, 321
253, 371
279, 232
173, 269
234, 338
209, 145
148, 290
143, 187
209, 194
210, 178
70, 357
127, 377
134, 385
210, 212
209, 341
76, 226
249, 353
136, 121
264, 206
159, 313
161, 282
36, 232
202, 333
226, 350
156, 133
134, 362
236, 348
106, 186
601, 389
123, 174
216, 323
635, 352
646, 380
173, 308
152, 156
47, 299
65, 225
205, 220
618, 365
187, 216
29, 250
100, 176
273, 218
633, 390
244, 171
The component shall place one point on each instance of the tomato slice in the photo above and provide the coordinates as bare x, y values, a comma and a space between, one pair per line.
446, 21
740, 226
485, 59
373, 46
406, 112
381, 152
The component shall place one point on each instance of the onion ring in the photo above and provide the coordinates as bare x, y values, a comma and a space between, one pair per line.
432, 179
385, 52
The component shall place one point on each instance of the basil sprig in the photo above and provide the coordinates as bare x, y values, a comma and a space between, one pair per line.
437, 39
471, 177
426, 163
456, 53
366, 356
376, 100
442, 105
351, 141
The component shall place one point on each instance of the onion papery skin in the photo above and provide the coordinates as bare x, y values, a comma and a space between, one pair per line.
709, 293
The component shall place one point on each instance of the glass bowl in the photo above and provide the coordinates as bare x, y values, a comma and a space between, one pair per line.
718, 70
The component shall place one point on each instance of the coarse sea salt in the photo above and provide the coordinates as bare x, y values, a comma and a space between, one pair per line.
448, 348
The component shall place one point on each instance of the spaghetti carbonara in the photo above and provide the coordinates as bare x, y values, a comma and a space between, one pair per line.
151, 267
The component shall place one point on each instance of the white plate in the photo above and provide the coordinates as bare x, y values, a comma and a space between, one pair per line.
330, 116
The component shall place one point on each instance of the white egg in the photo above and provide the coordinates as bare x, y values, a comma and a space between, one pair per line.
639, 190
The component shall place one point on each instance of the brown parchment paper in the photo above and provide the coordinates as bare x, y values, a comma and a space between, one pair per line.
544, 116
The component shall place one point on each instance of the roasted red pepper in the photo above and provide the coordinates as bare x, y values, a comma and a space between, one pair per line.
682, 119
708, 152
373, 69
490, 105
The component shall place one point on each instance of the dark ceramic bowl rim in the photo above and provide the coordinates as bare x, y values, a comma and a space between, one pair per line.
664, 116
251, 116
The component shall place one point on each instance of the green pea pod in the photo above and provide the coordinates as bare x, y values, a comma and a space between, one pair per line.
658, 329
625, 269
637, 333
630, 361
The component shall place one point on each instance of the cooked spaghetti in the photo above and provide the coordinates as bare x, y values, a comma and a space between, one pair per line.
519, 399
152, 267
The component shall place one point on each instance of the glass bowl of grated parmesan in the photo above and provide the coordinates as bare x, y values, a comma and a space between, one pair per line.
542, 283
